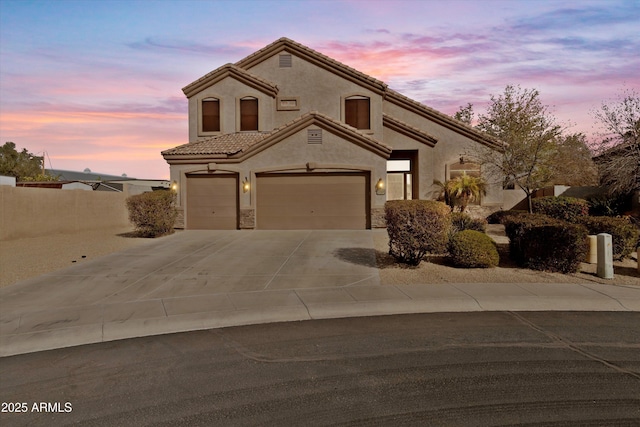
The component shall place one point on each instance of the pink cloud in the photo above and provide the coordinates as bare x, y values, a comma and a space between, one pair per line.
119, 140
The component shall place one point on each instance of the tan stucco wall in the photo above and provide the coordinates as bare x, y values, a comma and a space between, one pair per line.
317, 89
308, 83
229, 92
32, 212
292, 155
433, 161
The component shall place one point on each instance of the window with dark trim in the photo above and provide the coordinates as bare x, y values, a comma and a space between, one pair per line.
210, 115
464, 167
248, 114
399, 179
356, 112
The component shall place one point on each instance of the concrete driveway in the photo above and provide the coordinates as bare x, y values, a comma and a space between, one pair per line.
195, 279
206, 279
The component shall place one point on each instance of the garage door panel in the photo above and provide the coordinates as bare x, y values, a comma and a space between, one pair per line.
323, 201
319, 223
212, 202
227, 211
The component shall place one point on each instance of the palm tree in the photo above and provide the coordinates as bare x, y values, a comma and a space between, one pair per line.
445, 192
466, 189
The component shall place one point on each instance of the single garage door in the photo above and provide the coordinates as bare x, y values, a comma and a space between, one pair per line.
312, 201
212, 202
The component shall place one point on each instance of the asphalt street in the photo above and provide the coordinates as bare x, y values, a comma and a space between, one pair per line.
470, 369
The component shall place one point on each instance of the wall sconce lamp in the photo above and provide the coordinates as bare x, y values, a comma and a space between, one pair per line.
174, 186
380, 190
246, 186
461, 160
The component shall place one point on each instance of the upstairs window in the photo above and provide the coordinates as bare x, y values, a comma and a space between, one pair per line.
210, 115
356, 112
248, 114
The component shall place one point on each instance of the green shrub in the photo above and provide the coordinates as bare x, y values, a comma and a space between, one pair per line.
499, 217
624, 234
540, 242
609, 205
416, 227
153, 213
471, 248
461, 221
564, 208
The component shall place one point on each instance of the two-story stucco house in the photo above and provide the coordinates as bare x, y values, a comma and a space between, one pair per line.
288, 138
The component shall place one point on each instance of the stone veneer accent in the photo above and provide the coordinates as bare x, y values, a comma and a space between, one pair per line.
180, 219
377, 218
247, 218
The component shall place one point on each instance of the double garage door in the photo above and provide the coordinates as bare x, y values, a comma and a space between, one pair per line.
312, 201
283, 201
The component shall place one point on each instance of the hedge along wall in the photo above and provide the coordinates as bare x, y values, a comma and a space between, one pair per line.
33, 212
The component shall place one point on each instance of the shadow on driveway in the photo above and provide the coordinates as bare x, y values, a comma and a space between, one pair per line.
369, 257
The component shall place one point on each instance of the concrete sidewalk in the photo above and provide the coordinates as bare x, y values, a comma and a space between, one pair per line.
209, 279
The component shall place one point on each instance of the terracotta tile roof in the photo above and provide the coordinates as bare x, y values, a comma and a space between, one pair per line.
375, 84
230, 143
240, 142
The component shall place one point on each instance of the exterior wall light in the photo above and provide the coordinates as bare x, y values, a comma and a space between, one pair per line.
380, 190
246, 186
174, 186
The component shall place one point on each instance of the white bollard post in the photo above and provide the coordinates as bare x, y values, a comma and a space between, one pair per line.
605, 256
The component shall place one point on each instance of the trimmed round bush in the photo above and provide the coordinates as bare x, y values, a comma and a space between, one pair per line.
565, 208
473, 249
416, 227
153, 213
540, 242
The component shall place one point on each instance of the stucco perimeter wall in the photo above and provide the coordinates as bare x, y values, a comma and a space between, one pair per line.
33, 212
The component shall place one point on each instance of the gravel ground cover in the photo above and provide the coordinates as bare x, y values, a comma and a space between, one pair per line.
30, 257
436, 269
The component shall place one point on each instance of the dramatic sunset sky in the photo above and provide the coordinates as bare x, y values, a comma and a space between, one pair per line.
97, 83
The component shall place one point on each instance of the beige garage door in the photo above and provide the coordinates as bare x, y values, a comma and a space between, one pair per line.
312, 201
212, 202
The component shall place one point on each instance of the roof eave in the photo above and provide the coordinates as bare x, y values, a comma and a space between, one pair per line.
315, 58
407, 130
443, 120
321, 121
230, 70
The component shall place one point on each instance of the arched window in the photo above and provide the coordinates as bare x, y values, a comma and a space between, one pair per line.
356, 112
249, 114
210, 115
